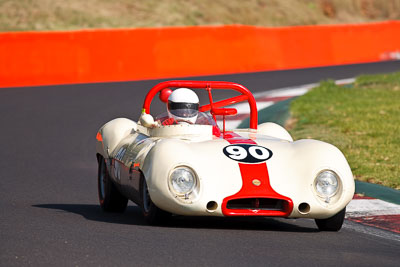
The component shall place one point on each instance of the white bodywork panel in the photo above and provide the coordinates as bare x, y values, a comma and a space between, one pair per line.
274, 130
291, 169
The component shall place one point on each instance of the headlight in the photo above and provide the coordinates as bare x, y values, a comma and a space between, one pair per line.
326, 184
182, 180
183, 183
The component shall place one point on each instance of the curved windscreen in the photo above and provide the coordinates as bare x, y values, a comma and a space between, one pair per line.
202, 119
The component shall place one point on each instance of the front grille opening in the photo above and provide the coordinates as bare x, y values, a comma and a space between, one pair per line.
257, 203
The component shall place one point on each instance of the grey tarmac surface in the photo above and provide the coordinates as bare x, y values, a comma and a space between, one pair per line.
49, 213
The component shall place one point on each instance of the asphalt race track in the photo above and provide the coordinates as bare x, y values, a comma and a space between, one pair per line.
49, 212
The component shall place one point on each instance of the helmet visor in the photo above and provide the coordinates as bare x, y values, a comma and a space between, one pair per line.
183, 110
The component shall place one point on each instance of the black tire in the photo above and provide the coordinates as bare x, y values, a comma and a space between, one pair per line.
333, 223
111, 200
152, 214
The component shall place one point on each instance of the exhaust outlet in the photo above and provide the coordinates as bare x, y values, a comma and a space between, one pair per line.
304, 208
212, 206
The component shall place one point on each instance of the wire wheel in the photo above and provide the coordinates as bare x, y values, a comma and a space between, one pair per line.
111, 200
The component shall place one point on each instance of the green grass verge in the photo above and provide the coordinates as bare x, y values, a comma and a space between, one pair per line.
363, 121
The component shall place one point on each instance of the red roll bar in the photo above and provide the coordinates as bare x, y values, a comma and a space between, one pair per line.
209, 85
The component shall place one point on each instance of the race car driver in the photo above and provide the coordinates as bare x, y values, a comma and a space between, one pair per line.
182, 107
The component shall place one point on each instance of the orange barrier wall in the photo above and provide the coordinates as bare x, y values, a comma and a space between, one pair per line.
44, 58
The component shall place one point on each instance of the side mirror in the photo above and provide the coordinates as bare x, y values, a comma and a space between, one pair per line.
224, 111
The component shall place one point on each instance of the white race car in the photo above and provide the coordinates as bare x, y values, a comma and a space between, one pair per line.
198, 169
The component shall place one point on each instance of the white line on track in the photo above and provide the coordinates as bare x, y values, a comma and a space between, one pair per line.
371, 207
297, 90
243, 108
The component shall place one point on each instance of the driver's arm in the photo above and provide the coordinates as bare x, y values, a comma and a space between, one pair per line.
169, 121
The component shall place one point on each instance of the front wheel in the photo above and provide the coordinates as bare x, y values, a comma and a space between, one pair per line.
152, 214
111, 200
333, 223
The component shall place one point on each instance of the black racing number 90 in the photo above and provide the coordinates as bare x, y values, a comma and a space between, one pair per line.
247, 153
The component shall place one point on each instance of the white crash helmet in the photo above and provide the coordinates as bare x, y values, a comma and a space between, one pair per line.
183, 105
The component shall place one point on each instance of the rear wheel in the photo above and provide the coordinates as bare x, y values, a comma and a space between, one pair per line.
111, 200
152, 214
333, 223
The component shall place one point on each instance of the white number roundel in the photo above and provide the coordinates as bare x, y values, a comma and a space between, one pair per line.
259, 152
247, 153
236, 152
